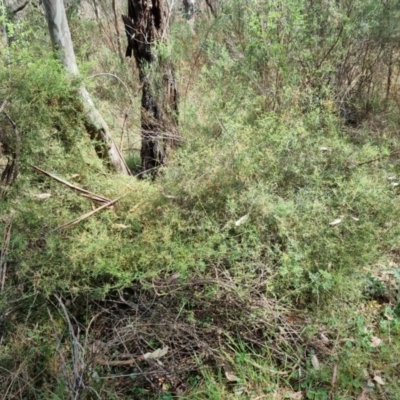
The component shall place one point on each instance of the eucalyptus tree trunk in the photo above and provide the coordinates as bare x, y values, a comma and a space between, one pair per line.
94, 123
146, 26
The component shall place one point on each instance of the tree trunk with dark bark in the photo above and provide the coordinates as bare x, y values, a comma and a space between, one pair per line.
10, 148
213, 6
146, 26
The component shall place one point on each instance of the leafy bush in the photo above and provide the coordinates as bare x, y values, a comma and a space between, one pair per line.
275, 208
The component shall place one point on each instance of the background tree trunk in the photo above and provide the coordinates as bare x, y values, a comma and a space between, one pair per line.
189, 6
146, 25
10, 147
213, 6
10, 140
12, 8
95, 124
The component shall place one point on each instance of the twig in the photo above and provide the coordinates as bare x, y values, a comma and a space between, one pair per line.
147, 170
77, 351
167, 196
379, 158
63, 362
115, 363
3, 106
333, 382
158, 372
89, 326
87, 215
122, 131
88, 194
121, 56
119, 80
4, 252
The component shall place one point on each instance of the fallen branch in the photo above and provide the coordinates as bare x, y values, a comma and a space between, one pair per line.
77, 383
3, 105
87, 215
86, 193
3, 255
115, 363
155, 355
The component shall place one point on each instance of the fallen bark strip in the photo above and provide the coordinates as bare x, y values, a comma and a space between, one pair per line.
4, 252
85, 192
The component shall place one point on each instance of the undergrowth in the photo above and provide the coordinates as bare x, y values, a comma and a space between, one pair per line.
263, 260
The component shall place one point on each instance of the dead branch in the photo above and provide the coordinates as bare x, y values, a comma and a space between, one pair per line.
79, 365
85, 192
87, 215
4, 253
3, 105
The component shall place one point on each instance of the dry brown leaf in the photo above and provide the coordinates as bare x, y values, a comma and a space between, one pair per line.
378, 380
242, 220
42, 196
315, 362
334, 375
173, 277
388, 317
135, 207
231, 377
375, 341
324, 338
120, 226
363, 395
337, 221
97, 346
295, 395
156, 354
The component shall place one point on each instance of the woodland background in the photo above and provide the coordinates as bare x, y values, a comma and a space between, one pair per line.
260, 261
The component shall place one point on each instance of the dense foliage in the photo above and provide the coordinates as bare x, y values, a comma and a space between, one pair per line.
265, 255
